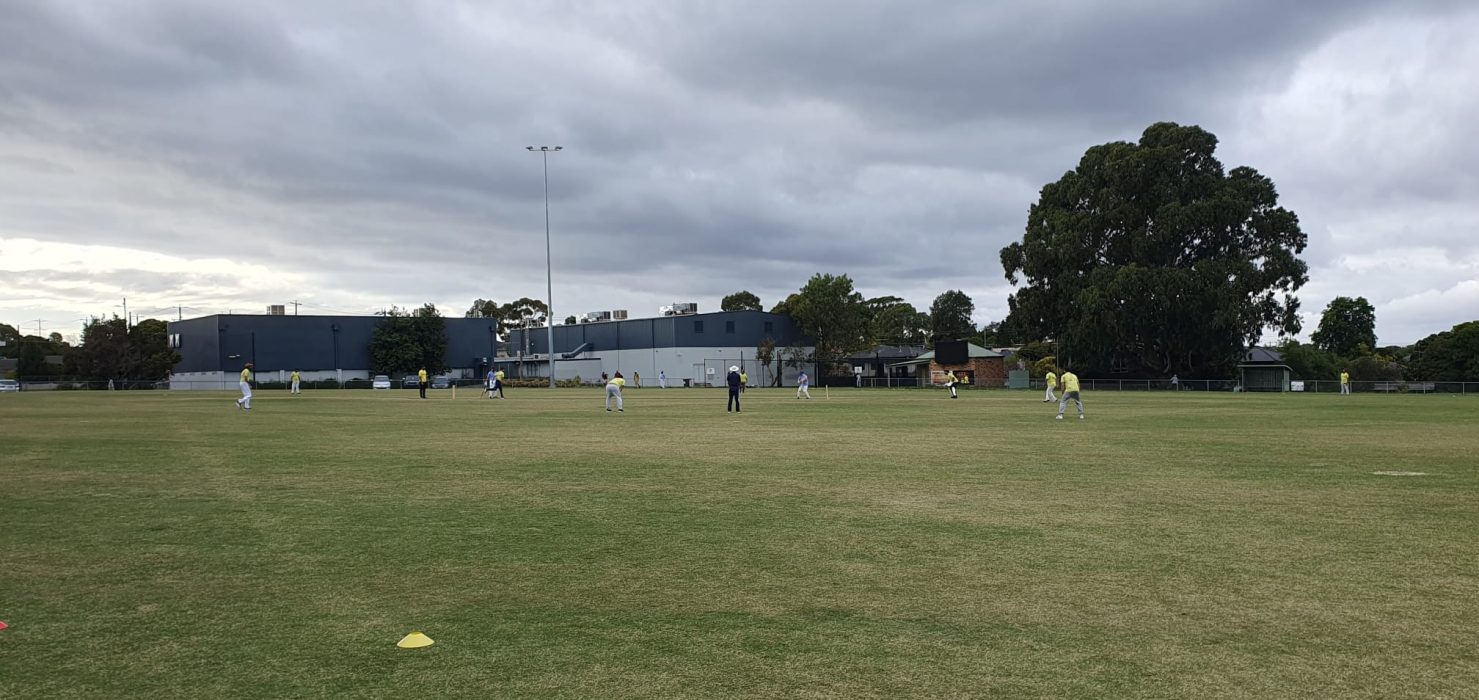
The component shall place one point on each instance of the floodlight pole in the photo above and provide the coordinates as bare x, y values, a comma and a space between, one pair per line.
549, 280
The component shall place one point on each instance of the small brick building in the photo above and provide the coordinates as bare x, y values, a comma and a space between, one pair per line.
983, 368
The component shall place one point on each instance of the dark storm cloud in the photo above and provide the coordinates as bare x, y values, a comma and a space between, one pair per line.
710, 146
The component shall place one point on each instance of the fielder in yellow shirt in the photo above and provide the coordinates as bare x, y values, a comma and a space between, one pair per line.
1070, 393
950, 382
613, 389
1052, 384
421, 381
245, 402
1345, 382
295, 377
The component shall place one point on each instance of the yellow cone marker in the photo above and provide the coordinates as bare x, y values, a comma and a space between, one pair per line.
414, 640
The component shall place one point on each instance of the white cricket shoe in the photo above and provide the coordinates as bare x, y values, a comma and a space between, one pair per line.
1060, 416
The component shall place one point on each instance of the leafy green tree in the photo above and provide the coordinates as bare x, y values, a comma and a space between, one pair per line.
893, 321
571, 320
430, 333
32, 360
1151, 251
10, 340
740, 301
950, 316
990, 335
784, 306
1452, 355
149, 354
764, 353
484, 308
1346, 326
1374, 368
1308, 361
1034, 351
795, 355
404, 341
828, 310
104, 353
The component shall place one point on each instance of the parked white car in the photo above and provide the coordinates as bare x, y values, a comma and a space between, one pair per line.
9, 385
380, 382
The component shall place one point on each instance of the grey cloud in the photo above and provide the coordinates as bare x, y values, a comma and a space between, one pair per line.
709, 147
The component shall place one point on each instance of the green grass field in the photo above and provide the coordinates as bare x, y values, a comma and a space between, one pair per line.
874, 544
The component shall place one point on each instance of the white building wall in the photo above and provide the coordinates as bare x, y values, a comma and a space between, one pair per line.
692, 364
218, 381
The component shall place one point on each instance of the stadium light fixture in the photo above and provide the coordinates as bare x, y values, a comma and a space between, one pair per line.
549, 282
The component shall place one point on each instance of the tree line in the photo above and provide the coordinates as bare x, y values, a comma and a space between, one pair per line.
109, 349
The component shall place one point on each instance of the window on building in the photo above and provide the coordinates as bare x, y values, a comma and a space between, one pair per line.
769, 327
729, 327
698, 326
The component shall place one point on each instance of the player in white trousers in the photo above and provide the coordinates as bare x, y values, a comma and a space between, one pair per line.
613, 388
296, 377
803, 386
245, 402
950, 381
1052, 383
662, 379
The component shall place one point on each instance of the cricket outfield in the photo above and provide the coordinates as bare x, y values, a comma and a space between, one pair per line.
872, 544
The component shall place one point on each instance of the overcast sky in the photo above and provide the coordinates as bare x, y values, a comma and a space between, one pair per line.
353, 155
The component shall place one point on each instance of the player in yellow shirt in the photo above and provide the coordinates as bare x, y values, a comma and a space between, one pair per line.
950, 381
613, 388
1052, 384
1345, 382
296, 378
498, 383
1070, 393
245, 402
421, 381
744, 381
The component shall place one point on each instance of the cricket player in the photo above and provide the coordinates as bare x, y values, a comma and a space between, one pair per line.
1052, 384
733, 380
1070, 393
803, 385
1175, 382
662, 379
637, 379
950, 380
1345, 382
245, 402
498, 383
744, 381
421, 381
296, 378
488, 383
613, 388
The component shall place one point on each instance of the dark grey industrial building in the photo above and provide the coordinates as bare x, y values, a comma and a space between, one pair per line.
697, 348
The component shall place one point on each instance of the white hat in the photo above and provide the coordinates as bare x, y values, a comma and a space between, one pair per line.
733, 368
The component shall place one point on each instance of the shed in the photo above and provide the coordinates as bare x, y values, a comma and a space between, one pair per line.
1263, 369
983, 367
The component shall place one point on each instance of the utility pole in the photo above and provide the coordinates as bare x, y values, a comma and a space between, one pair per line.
180, 313
125, 313
295, 307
